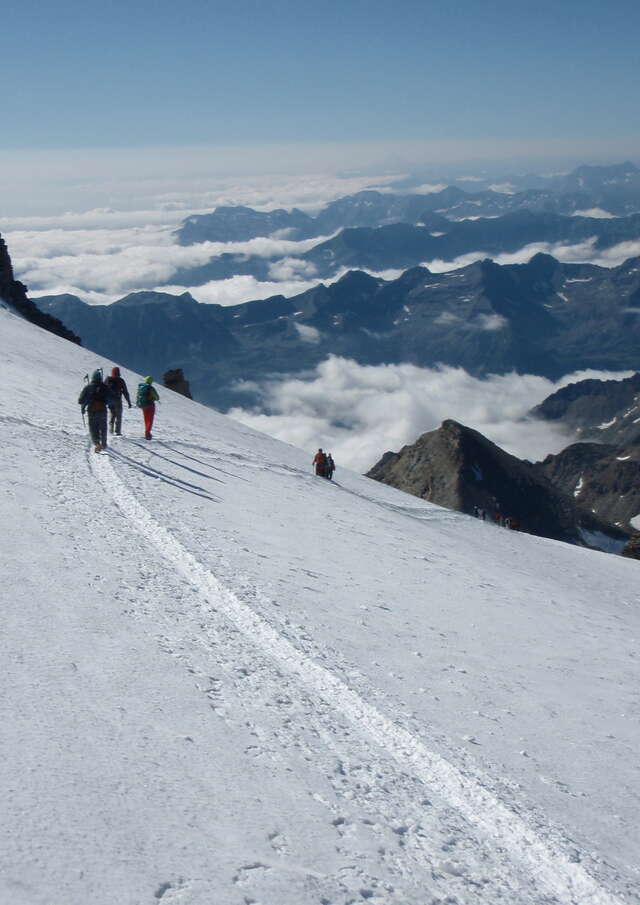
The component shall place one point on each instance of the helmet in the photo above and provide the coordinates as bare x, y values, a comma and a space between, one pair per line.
148, 380
96, 377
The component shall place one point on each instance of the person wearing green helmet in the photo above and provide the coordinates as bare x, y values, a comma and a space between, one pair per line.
146, 400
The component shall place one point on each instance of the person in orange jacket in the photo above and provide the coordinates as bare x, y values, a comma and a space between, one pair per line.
320, 463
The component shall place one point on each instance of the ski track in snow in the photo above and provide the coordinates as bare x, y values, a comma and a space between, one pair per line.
525, 859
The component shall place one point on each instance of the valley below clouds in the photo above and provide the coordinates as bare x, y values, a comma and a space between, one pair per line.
358, 411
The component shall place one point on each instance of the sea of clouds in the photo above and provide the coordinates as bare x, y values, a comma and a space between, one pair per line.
356, 411
103, 254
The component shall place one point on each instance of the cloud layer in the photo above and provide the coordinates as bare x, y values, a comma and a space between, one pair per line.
107, 252
359, 412
579, 253
101, 265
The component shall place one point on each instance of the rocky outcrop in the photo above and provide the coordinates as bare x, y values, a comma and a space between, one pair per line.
632, 550
602, 470
602, 478
14, 294
175, 380
461, 469
605, 411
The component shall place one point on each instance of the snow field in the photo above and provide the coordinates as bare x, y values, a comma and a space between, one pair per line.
232, 682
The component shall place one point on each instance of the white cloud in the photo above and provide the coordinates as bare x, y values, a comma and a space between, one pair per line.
291, 268
105, 264
45, 184
247, 288
490, 322
102, 265
596, 212
581, 253
239, 289
307, 333
359, 412
98, 218
447, 318
428, 188
504, 188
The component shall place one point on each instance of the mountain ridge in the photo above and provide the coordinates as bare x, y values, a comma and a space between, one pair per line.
458, 467
617, 186
542, 317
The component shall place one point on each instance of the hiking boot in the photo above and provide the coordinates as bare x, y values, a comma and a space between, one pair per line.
147, 437
98, 448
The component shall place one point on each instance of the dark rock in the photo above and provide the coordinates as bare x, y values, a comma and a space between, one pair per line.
602, 478
461, 469
605, 411
14, 294
632, 550
175, 380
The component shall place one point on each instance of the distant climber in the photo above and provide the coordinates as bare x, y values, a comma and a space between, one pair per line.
118, 389
320, 463
95, 398
331, 467
146, 400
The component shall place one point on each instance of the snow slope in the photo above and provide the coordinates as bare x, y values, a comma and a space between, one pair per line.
228, 681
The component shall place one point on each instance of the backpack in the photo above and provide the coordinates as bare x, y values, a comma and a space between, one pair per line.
143, 397
96, 397
113, 383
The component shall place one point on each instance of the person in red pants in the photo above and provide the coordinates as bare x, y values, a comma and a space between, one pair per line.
146, 400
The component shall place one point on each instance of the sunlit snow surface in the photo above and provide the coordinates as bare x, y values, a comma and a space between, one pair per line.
228, 681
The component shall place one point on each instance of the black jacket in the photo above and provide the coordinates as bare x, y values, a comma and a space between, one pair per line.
118, 388
96, 397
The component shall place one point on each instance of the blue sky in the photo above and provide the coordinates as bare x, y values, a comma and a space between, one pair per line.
188, 72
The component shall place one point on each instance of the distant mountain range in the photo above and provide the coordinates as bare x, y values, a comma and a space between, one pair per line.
461, 469
543, 318
389, 230
615, 189
403, 245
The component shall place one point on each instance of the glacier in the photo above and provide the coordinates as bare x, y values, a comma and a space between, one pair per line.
228, 681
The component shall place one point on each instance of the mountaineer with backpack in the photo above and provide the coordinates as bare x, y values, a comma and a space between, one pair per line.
331, 467
146, 400
320, 463
95, 398
118, 389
